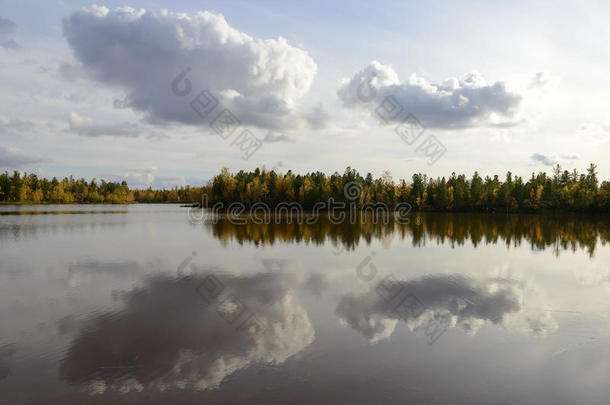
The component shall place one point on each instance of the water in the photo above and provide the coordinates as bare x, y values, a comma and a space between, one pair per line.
135, 304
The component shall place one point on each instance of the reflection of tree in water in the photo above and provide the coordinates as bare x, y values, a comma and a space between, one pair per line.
168, 336
559, 232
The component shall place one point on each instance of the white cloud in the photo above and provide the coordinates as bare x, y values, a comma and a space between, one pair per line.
543, 80
594, 133
142, 52
151, 177
453, 103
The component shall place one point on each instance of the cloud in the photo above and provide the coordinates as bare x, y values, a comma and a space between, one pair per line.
450, 301
594, 133
10, 44
15, 126
142, 52
151, 177
13, 158
97, 266
162, 338
85, 270
141, 177
543, 80
551, 160
453, 103
85, 127
7, 26
276, 137
318, 118
7, 352
543, 159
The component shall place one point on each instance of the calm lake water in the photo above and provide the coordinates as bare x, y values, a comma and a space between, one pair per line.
135, 304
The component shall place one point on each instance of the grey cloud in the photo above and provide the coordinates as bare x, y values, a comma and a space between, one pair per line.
85, 127
13, 158
7, 26
10, 44
142, 52
276, 137
316, 284
540, 79
453, 103
71, 72
318, 118
552, 160
15, 126
448, 300
543, 159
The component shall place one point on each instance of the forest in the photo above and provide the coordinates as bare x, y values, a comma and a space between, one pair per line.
562, 190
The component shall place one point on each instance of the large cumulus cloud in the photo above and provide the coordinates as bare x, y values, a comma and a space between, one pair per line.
448, 301
141, 52
452, 103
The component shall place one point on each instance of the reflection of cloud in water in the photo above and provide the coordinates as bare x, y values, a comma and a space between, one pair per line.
316, 284
592, 275
450, 301
85, 270
6, 354
111, 267
168, 336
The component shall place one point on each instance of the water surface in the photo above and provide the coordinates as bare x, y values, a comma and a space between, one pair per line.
135, 304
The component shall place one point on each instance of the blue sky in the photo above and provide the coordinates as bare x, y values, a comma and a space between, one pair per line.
539, 96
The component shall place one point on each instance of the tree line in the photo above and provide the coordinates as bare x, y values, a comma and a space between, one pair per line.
29, 188
561, 190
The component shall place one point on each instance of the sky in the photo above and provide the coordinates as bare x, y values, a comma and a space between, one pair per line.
95, 90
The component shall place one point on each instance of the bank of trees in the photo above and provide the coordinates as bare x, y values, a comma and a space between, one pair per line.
24, 187
561, 190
